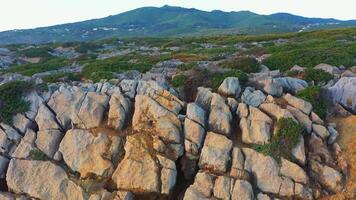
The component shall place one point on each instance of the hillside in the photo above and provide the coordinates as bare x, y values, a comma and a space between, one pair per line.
170, 21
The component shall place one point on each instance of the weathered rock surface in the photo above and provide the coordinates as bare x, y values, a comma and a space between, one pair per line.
230, 87
42, 180
220, 116
215, 154
88, 154
344, 93
252, 97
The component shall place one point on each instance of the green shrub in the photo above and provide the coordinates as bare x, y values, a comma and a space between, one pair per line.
11, 101
42, 52
294, 73
187, 66
217, 79
97, 76
179, 80
34, 68
288, 135
317, 75
313, 95
62, 77
37, 154
245, 64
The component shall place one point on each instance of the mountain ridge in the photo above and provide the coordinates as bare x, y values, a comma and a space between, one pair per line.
170, 21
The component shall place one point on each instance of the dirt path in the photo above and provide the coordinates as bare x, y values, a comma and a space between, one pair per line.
347, 141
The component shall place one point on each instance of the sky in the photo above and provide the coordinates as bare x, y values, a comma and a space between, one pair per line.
22, 14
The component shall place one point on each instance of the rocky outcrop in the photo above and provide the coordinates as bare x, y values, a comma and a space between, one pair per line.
123, 138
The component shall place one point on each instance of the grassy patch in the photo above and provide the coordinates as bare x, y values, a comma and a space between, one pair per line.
42, 52
287, 137
312, 94
37, 154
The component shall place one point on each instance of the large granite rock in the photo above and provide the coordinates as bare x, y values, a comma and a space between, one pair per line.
230, 87
302, 105
290, 84
344, 93
90, 154
42, 180
252, 97
215, 154
220, 116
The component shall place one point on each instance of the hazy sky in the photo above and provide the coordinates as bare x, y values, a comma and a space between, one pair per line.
19, 14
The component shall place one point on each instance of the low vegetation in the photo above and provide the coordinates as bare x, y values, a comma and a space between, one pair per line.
313, 95
11, 102
37, 154
34, 68
317, 75
245, 64
281, 144
62, 77
179, 80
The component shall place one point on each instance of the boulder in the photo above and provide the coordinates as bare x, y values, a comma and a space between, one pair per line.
344, 93
316, 119
151, 117
92, 110
264, 169
252, 97
230, 87
48, 141
192, 194
196, 114
298, 103
232, 104
220, 116
333, 135
128, 87
84, 153
119, 111
203, 97
138, 171
321, 131
290, 84
293, 171
287, 187
215, 154
26, 145
242, 190
262, 196
168, 174
298, 151
22, 123
328, 68
303, 192
3, 166
42, 180
275, 111
254, 131
194, 137
301, 118
271, 87
222, 187
203, 183
242, 110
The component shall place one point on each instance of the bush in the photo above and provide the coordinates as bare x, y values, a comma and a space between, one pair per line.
42, 52
11, 101
179, 80
217, 79
317, 75
97, 76
313, 95
294, 73
245, 64
37, 154
288, 135
31, 69
62, 77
